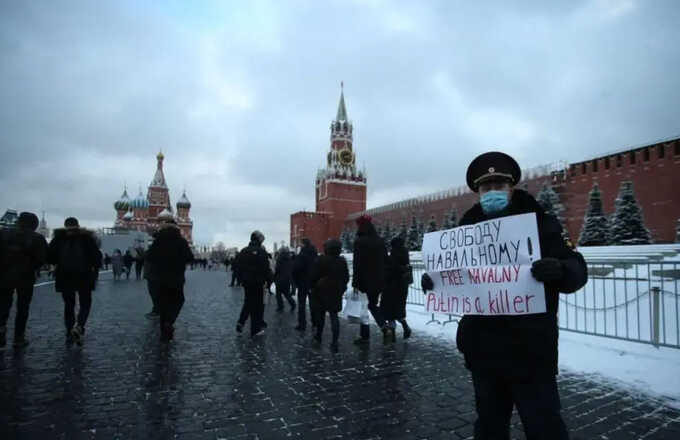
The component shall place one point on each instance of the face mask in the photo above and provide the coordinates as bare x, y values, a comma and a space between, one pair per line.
494, 201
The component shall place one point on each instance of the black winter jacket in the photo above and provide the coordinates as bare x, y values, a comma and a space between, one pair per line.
329, 277
167, 258
85, 276
22, 252
393, 300
302, 265
253, 266
370, 256
522, 346
284, 268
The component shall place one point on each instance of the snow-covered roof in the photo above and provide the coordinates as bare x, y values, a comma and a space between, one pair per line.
165, 214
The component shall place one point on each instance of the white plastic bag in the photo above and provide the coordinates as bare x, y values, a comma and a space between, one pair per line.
356, 308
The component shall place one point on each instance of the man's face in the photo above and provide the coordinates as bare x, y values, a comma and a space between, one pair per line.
495, 185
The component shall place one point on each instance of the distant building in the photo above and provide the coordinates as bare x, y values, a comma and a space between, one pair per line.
653, 169
145, 213
43, 229
340, 187
9, 219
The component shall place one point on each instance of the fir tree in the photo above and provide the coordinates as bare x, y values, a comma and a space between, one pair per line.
403, 231
550, 201
413, 238
421, 234
627, 224
346, 239
432, 225
595, 223
387, 234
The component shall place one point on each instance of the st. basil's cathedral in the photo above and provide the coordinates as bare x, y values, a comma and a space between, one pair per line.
146, 213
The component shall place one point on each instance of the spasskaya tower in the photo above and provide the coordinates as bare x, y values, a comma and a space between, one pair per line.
340, 186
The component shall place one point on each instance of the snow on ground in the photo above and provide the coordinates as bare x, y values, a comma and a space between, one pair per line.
635, 366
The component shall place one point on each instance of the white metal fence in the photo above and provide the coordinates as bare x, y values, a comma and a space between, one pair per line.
629, 298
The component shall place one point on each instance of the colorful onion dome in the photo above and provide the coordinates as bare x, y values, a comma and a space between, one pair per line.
140, 202
123, 203
128, 216
183, 201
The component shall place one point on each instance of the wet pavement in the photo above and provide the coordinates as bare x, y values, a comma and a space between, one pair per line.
212, 383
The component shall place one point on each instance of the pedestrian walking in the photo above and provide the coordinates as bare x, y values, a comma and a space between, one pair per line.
117, 264
513, 359
235, 280
139, 262
22, 252
255, 275
77, 258
128, 259
368, 277
283, 273
398, 276
167, 259
329, 277
301, 272
107, 261
151, 287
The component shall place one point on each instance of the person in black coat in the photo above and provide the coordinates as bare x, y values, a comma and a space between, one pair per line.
397, 280
235, 280
329, 277
283, 273
301, 270
22, 252
167, 258
513, 359
128, 259
370, 256
75, 253
256, 275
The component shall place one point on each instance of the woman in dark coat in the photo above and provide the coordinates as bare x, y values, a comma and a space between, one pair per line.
329, 277
397, 280
282, 278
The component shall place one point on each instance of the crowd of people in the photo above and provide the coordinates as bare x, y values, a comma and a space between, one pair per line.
320, 281
512, 358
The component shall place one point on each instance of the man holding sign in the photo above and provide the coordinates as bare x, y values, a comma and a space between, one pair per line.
503, 269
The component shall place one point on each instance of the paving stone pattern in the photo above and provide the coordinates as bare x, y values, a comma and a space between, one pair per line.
214, 383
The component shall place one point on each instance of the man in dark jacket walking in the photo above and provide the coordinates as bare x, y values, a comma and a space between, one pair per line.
513, 359
167, 258
235, 280
76, 255
282, 278
370, 256
398, 276
255, 274
329, 277
301, 271
22, 252
127, 262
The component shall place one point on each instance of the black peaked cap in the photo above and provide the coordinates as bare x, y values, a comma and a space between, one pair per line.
492, 165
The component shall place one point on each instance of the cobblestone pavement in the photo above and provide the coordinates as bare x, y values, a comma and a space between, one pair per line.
214, 383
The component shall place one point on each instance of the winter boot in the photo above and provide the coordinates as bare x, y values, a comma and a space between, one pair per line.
20, 341
239, 327
407, 329
77, 334
388, 334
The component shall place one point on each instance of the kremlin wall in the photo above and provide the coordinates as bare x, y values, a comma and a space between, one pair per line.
340, 190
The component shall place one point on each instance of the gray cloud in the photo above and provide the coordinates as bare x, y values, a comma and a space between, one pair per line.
240, 97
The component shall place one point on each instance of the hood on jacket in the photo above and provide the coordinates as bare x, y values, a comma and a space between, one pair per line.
397, 241
168, 231
72, 232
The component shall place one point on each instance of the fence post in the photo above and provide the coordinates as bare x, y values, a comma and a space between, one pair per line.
655, 316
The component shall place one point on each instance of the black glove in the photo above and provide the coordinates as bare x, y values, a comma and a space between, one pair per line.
547, 270
426, 282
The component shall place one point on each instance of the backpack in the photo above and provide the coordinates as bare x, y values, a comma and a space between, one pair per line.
72, 256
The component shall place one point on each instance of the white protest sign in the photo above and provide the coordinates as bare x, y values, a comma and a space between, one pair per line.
485, 268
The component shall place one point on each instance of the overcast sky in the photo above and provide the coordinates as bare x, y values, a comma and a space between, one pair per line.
240, 95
